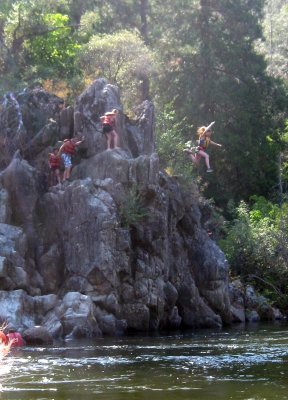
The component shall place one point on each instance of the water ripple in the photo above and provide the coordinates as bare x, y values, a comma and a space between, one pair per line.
168, 367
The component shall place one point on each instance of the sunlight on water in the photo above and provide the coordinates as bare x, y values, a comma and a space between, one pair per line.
235, 364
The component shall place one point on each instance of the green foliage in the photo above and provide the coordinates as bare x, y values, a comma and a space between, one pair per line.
209, 64
38, 34
199, 53
77, 8
116, 15
55, 49
122, 58
171, 136
132, 211
274, 46
90, 23
257, 241
284, 155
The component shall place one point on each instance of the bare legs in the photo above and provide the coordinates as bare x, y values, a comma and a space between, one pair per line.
57, 173
66, 174
112, 140
54, 177
196, 158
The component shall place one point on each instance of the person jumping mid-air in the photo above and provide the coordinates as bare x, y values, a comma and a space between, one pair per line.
204, 133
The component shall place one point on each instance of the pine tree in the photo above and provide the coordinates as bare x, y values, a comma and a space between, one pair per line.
219, 76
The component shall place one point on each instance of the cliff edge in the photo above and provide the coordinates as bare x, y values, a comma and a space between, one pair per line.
118, 248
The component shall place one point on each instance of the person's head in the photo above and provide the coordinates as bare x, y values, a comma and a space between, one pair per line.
201, 130
114, 111
55, 151
204, 130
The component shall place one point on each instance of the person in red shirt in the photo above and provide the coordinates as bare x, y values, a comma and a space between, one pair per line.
109, 122
67, 150
54, 166
15, 339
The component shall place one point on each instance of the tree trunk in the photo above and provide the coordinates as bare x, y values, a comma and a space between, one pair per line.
144, 87
144, 34
143, 16
280, 183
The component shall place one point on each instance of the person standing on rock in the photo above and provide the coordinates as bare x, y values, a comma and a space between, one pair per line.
54, 162
67, 150
204, 133
109, 122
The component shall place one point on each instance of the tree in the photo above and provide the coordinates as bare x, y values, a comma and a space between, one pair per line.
256, 246
169, 147
33, 25
215, 74
112, 17
199, 57
122, 58
55, 48
274, 44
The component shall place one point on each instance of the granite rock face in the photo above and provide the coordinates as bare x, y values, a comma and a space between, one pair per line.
120, 247
248, 306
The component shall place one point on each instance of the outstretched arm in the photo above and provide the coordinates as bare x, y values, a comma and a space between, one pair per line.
215, 144
80, 141
60, 150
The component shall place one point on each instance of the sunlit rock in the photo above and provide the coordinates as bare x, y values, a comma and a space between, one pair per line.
121, 246
37, 335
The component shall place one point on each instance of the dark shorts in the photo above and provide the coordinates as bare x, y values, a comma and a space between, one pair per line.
107, 128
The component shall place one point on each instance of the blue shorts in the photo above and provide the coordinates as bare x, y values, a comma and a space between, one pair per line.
66, 160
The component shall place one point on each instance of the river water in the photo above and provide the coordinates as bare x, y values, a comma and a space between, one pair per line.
248, 363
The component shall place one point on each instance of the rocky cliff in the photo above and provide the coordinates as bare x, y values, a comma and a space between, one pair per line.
121, 247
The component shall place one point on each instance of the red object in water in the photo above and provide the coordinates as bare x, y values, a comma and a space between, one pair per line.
16, 339
3, 338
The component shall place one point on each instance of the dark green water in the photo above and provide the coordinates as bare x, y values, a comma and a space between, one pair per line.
248, 363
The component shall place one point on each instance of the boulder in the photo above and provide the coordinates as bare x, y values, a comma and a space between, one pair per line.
66, 123
252, 316
237, 300
5, 210
3, 267
37, 335
30, 123
17, 309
